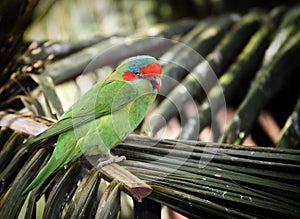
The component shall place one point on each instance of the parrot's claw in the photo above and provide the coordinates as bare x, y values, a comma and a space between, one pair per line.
109, 158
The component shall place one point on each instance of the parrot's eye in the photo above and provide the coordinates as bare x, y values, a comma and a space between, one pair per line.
138, 75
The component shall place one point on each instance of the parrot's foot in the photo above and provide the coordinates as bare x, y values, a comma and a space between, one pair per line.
108, 159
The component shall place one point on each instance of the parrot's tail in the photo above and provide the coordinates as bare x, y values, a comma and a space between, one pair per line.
52, 165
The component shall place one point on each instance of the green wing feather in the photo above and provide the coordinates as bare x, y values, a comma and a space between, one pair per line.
94, 104
114, 95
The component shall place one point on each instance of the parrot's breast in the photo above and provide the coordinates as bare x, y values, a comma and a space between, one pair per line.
102, 134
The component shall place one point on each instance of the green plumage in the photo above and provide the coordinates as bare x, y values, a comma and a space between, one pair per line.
101, 118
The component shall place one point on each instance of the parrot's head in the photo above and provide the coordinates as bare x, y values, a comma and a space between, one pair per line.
141, 67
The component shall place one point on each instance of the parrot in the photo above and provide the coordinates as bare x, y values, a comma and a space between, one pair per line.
103, 117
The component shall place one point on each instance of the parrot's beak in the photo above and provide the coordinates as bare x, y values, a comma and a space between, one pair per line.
155, 81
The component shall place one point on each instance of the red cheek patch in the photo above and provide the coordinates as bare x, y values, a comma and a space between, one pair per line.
152, 68
129, 76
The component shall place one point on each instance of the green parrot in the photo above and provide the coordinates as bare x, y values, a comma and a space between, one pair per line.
104, 116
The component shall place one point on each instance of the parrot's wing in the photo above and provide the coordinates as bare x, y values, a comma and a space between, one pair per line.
102, 99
